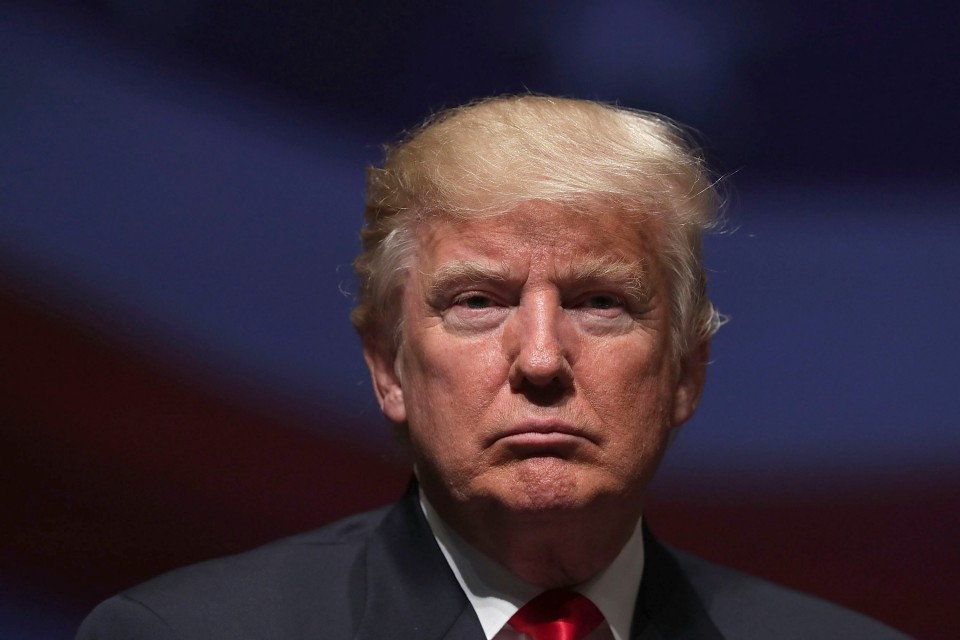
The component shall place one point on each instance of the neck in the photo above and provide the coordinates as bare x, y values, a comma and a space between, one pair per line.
550, 550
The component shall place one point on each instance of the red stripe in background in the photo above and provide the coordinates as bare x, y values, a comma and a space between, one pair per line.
116, 469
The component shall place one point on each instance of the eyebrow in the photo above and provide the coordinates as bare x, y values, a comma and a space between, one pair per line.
633, 277
465, 271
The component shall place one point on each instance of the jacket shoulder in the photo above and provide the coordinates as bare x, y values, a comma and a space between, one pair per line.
744, 606
304, 585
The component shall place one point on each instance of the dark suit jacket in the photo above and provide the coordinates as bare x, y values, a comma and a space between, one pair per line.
381, 576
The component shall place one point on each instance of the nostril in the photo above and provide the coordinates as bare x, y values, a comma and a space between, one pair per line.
544, 395
541, 370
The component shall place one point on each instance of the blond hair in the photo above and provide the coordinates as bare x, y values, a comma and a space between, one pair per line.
484, 158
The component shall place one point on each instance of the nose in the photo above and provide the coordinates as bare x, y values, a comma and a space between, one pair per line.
539, 346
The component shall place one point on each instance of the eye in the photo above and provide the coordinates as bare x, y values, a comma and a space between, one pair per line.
472, 312
603, 302
601, 313
474, 301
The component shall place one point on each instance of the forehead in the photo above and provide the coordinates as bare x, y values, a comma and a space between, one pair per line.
535, 232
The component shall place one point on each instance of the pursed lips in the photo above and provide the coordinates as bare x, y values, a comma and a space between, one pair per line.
542, 432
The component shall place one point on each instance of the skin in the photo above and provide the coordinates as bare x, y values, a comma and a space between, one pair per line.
536, 383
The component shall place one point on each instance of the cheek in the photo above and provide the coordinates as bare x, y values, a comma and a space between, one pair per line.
631, 393
624, 370
446, 385
458, 366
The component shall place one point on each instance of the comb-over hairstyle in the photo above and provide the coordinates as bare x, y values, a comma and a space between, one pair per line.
484, 158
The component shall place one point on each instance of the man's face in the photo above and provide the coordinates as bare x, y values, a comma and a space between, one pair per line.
535, 373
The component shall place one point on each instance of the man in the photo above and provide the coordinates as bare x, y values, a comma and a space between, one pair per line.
534, 315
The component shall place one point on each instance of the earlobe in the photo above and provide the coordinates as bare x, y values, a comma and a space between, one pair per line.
386, 381
693, 373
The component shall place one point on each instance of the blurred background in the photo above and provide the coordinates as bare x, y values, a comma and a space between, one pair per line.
181, 186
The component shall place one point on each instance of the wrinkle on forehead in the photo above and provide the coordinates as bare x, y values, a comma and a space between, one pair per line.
487, 248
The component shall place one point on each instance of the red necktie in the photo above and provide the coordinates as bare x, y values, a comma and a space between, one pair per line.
557, 614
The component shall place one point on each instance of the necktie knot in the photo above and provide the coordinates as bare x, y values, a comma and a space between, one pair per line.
557, 614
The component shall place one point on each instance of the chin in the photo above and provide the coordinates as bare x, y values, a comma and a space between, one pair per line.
546, 485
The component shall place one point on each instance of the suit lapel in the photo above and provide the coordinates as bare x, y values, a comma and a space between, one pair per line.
410, 590
667, 606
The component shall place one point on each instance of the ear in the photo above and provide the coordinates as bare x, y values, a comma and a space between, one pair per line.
692, 374
387, 386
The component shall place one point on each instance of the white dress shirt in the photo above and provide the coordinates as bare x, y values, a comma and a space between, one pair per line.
496, 593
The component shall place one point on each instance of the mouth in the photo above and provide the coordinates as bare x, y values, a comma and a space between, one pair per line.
546, 437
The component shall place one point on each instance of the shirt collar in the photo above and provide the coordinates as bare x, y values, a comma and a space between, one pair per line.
496, 594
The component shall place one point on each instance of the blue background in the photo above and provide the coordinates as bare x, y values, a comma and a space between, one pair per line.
187, 177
